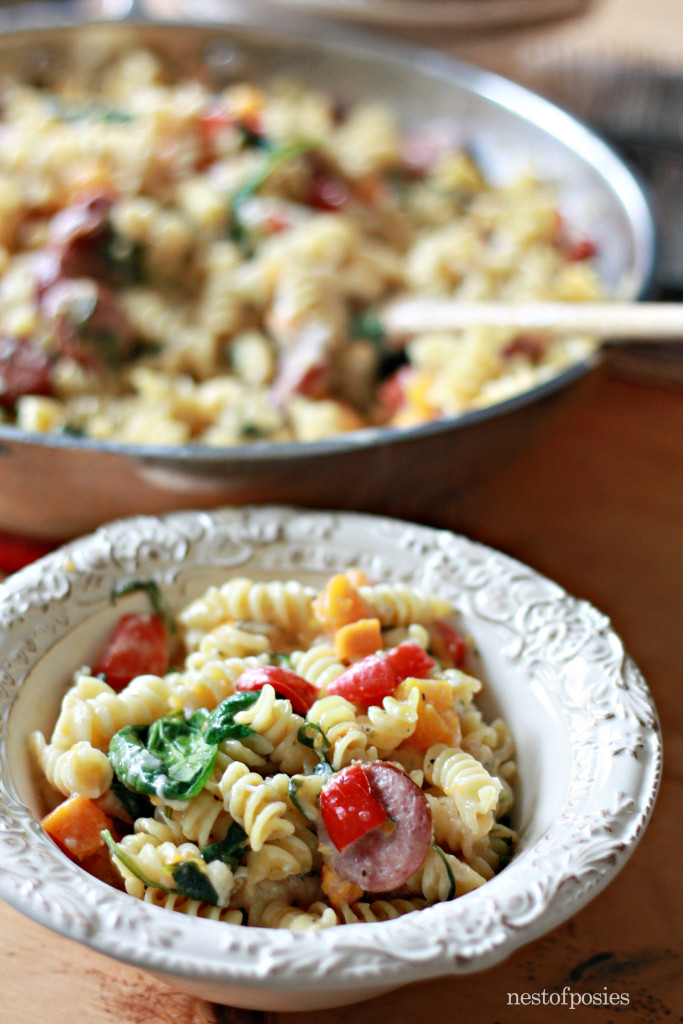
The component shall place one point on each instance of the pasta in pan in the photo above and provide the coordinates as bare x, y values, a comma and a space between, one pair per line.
186, 266
281, 801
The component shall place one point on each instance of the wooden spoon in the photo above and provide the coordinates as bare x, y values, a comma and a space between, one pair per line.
606, 321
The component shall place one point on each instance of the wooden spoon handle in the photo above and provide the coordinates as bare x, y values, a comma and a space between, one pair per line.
613, 321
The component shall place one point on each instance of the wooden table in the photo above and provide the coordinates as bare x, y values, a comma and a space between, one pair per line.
596, 503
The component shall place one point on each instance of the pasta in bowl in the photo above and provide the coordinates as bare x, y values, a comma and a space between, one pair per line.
277, 784
312, 754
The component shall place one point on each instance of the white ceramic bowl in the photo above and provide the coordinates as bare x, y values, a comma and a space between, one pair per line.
589, 750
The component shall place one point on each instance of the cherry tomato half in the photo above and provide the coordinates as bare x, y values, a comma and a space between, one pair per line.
410, 660
138, 646
453, 644
298, 691
366, 682
348, 808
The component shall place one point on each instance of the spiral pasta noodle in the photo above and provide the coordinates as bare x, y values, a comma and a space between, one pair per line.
400, 605
229, 804
80, 768
474, 792
192, 908
280, 914
253, 802
444, 876
274, 720
96, 718
207, 679
286, 604
380, 910
319, 665
202, 819
388, 726
337, 719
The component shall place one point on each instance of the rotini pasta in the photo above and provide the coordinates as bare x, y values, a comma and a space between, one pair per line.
337, 720
342, 774
80, 768
242, 272
94, 711
474, 792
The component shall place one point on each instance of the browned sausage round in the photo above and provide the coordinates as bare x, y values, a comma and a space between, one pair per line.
88, 321
385, 857
24, 370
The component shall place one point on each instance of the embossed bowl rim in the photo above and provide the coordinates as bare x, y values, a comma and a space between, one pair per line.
585, 723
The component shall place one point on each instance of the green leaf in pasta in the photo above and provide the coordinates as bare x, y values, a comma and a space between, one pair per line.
169, 759
221, 724
449, 872
156, 598
368, 324
311, 735
129, 863
133, 805
192, 882
189, 878
230, 849
293, 787
273, 158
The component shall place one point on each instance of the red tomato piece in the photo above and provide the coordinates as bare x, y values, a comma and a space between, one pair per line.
582, 249
138, 646
298, 691
366, 682
453, 643
348, 808
392, 391
410, 660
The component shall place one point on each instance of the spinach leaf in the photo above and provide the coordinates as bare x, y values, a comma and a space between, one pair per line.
273, 159
221, 724
311, 735
169, 759
191, 882
293, 787
230, 849
135, 805
156, 598
449, 871
368, 325
128, 862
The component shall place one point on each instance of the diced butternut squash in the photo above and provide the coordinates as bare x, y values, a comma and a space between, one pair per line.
338, 604
356, 639
337, 889
437, 721
101, 865
357, 577
76, 826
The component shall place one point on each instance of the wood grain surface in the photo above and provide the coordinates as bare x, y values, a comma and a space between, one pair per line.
596, 503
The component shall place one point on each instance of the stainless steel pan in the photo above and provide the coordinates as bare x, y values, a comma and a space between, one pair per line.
58, 487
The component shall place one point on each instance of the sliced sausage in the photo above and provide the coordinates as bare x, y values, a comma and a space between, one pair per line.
385, 857
83, 243
25, 369
88, 322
